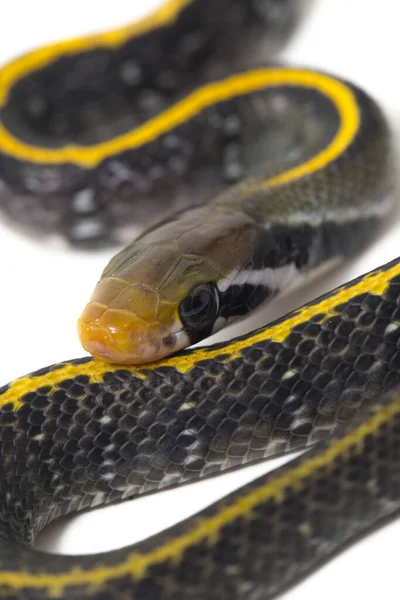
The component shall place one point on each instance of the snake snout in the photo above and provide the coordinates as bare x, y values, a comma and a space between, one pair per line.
119, 336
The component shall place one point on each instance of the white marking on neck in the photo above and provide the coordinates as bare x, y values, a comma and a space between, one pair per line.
344, 215
274, 279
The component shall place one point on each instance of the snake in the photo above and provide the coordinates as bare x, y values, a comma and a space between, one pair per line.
271, 173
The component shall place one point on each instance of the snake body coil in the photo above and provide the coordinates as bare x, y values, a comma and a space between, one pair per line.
309, 158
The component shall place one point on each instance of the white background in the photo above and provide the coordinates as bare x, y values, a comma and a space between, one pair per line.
43, 286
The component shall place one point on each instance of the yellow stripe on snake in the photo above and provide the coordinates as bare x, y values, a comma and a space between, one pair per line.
171, 112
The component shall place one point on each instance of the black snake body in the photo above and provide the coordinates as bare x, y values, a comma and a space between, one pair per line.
83, 432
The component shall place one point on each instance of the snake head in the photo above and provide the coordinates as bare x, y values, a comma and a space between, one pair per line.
168, 289
131, 321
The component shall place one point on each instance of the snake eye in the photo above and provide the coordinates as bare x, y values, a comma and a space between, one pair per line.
199, 310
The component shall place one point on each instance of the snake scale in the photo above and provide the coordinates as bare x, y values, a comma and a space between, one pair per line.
299, 165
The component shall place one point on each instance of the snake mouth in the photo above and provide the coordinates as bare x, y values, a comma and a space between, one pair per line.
118, 336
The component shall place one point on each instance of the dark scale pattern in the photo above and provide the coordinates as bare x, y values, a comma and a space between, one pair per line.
282, 540
70, 99
279, 542
91, 441
186, 166
99, 94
